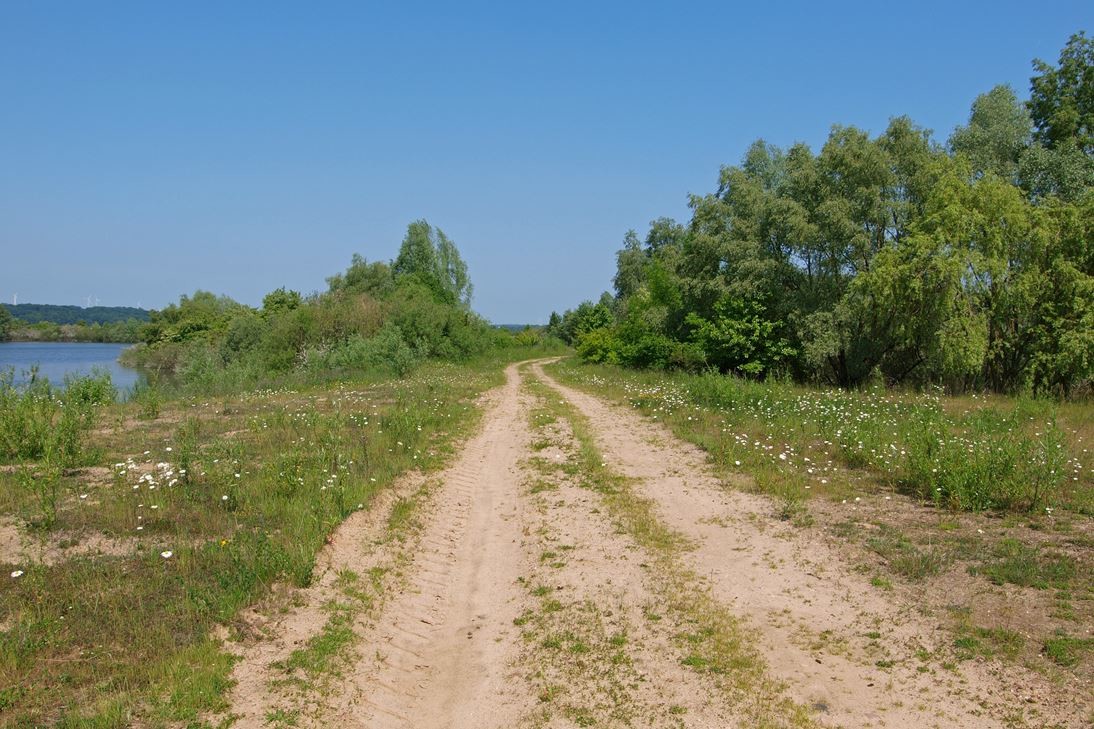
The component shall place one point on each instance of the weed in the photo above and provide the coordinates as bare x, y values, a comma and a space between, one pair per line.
1020, 564
974, 641
1067, 650
905, 558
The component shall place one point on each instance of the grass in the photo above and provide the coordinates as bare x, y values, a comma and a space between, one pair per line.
715, 644
906, 559
973, 641
242, 492
45, 428
977, 453
1028, 566
1067, 650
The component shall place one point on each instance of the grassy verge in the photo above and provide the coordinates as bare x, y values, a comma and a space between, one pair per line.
191, 513
966, 454
311, 670
713, 642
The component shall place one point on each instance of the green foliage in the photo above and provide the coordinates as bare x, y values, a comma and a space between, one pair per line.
41, 423
44, 331
429, 256
587, 317
201, 317
739, 338
387, 351
55, 314
1062, 97
362, 277
375, 317
279, 301
6, 321
998, 133
880, 259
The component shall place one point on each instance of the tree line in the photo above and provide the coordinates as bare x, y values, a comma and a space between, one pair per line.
64, 314
892, 258
51, 323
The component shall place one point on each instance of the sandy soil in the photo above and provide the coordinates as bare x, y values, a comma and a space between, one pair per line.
812, 614
19, 546
516, 602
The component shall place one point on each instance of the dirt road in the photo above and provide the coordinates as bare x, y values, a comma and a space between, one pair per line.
521, 593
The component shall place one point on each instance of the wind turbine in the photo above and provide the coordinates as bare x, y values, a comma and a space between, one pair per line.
15, 299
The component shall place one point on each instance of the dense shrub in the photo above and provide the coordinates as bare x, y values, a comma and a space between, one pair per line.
41, 422
374, 317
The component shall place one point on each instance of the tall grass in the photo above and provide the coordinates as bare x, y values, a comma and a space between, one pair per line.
39, 422
999, 454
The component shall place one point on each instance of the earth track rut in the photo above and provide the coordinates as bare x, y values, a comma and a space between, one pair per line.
442, 653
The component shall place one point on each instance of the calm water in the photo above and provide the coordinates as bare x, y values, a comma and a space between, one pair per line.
57, 359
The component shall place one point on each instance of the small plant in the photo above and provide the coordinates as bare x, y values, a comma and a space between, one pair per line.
148, 400
975, 641
1027, 566
1067, 650
45, 484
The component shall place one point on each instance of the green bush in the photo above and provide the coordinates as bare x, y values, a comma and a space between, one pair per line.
387, 351
41, 423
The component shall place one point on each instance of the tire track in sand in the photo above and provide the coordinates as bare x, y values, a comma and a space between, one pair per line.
443, 652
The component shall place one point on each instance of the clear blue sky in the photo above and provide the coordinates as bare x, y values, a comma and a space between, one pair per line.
148, 149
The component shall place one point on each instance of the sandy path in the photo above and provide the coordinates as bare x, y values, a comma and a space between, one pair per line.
816, 620
441, 651
442, 654
596, 580
514, 606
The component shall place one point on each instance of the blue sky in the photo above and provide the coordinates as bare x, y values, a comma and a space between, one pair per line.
150, 149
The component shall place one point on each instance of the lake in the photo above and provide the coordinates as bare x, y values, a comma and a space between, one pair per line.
57, 359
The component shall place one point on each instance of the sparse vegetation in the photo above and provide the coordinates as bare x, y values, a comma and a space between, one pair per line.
714, 643
210, 503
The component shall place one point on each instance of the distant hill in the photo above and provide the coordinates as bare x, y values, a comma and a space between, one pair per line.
35, 313
517, 327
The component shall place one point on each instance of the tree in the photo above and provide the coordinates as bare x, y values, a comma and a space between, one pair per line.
998, 133
200, 316
1062, 97
429, 256
6, 322
630, 267
280, 300
362, 277
452, 271
886, 255
1063, 171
